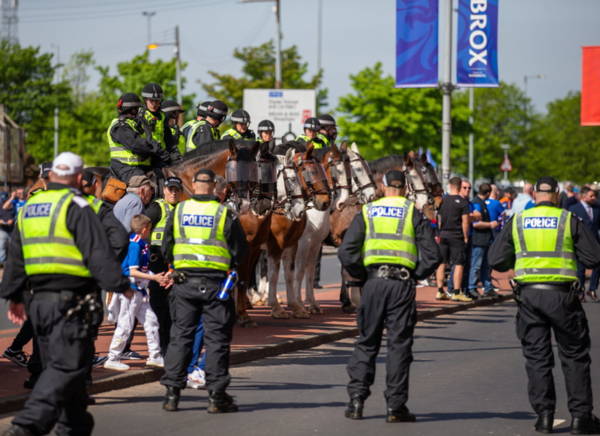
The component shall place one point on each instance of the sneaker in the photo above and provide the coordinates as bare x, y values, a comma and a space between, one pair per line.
441, 296
131, 355
18, 357
490, 293
99, 360
157, 362
472, 293
115, 365
461, 297
195, 379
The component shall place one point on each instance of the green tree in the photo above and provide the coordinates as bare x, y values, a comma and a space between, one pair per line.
29, 94
383, 119
258, 71
559, 146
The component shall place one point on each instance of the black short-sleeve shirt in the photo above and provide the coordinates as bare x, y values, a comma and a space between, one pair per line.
451, 211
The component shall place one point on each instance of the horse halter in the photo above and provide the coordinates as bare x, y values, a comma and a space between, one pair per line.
312, 174
288, 191
332, 168
359, 170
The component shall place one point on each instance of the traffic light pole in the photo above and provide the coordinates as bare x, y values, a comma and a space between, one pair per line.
447, 88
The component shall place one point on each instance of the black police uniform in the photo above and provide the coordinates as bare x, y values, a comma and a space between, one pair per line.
386, 302
248, 135
204, 134
547, 307
59, 396
189, 303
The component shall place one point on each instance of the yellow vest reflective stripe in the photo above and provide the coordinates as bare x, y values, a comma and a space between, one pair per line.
48, 245
157, 125
543, 246
199, 231
323, 138
389, 232
159, 230
315, 141
95, 203
122, 153
233, 133
189, 143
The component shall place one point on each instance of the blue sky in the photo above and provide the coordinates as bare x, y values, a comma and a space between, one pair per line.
535, 36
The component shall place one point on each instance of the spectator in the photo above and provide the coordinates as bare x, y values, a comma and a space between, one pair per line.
139, 194
589, 212
454, 234
7, 220
481, 240
494, 207
568, 197
509, 196
15, 201
523, 201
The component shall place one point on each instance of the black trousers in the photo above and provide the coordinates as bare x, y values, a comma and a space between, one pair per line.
25, 335
189, 301
159, 302
65, 347
390, 304
540, 313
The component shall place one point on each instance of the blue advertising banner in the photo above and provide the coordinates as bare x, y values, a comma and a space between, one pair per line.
417, 43
477, 44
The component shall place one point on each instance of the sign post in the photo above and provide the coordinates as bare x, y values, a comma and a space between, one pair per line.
286, 108
506, 166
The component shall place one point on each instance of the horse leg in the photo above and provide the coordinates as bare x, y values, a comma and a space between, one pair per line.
273, 267
294, 303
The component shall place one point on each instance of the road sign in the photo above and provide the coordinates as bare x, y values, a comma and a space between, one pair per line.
287, 108
506, 166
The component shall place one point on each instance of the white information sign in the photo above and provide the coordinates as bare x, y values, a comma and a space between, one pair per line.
287, 108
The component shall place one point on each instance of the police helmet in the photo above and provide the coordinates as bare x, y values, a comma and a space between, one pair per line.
240, 116
202, 108
217, 110
171, 107
312, 124
327, 121
128, 101
266, 126
152, 91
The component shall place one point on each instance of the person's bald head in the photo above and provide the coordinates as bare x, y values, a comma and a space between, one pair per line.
528, 189
204, 182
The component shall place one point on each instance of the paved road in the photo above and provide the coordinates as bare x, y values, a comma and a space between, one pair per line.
467, 379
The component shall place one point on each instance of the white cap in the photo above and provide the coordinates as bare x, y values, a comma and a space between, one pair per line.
67, 164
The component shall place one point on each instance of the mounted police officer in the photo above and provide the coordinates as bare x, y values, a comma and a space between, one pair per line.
173, 111
158, 211
203, 240
200, 116
207, 130
390, 245
311, 129
131, 147
60, 252
240, 130
266, 131
328, 130
543, 245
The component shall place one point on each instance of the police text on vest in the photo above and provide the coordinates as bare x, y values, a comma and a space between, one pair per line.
540, 222
38, 210
197, 220
387, 212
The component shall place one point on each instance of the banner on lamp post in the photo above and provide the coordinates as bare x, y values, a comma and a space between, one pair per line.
417, 43
590, 87
477, 43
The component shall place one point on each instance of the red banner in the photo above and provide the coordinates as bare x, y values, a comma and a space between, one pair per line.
590, 87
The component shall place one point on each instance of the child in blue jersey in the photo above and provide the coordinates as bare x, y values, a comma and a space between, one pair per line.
135, 266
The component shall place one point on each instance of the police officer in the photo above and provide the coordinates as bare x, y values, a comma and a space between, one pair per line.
390, 244
207, 130
153, 117
131, 147
543, 245
311, 128
59, 247
203, 240
172, 111
158, 211
200, 115
266, 131
328, 131
240, 130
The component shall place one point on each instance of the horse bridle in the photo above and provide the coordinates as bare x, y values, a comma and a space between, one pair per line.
289, 197
361, 188
330, 167
310, 186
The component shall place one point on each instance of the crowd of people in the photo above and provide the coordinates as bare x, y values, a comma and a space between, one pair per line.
468, 224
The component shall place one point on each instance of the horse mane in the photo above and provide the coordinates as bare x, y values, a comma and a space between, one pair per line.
383, 164
281, 149
208, 148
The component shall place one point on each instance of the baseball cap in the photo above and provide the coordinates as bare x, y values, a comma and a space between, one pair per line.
137, 181
174, 182
546, 184
205, 172
67, 164
395, 179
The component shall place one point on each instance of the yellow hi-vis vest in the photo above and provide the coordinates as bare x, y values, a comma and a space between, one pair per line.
544, 246
95, 203
122, 153
316, 141
157, 126
389, 232
189, 143
233, 133
199, 231
159, 230
48, 245
323, 138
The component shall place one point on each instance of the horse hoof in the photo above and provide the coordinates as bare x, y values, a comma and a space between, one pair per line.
260, 303
314, 309
301, 314
349, 308
280, 314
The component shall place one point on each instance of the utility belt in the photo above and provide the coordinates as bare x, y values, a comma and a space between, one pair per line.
561, 287
389, 272
181, 278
